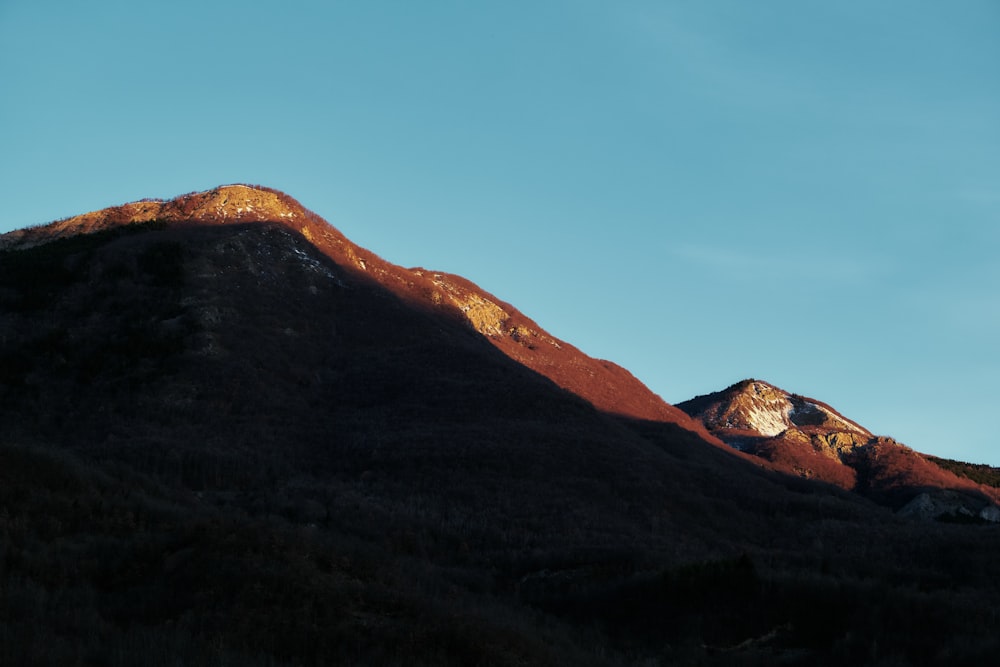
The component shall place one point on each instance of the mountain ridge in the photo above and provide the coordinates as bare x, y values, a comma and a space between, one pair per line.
607, 385
220, 205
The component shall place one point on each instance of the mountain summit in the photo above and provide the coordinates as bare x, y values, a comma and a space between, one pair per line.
225, 204
762, 410
807, 437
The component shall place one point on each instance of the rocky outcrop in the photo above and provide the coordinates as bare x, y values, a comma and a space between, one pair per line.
950, 506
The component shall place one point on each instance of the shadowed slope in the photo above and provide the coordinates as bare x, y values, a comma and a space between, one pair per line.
239, 355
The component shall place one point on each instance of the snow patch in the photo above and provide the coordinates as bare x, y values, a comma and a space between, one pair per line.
770, 419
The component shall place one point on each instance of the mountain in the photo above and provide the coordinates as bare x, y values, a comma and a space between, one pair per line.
230, 435
806, 437
606, 385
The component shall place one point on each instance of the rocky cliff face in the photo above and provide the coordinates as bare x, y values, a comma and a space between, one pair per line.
809, 438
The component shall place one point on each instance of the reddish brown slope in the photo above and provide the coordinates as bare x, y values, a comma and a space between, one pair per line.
606, 385
806, 437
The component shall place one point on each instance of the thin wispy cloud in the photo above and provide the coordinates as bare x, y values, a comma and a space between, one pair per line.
797, 75
777, 264
964, 301
979, 196
681, 47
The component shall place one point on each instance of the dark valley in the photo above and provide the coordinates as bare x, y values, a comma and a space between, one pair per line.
232, 436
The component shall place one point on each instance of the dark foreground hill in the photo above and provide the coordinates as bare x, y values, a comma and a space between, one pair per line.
231, 436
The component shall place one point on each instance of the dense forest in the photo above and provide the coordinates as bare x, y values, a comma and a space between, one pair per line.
977, 472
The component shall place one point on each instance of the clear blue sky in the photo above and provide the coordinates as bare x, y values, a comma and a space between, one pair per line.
799, 191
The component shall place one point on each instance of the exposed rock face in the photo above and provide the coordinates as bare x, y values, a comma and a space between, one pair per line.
949, 506
990, 513
806, 437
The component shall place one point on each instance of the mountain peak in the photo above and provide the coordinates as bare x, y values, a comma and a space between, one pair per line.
809, 438
237, 202
758, 409
225, 204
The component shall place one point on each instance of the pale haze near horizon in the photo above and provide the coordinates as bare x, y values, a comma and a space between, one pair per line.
803, 192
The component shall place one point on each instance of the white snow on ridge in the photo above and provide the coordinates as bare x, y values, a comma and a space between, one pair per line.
770, 419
